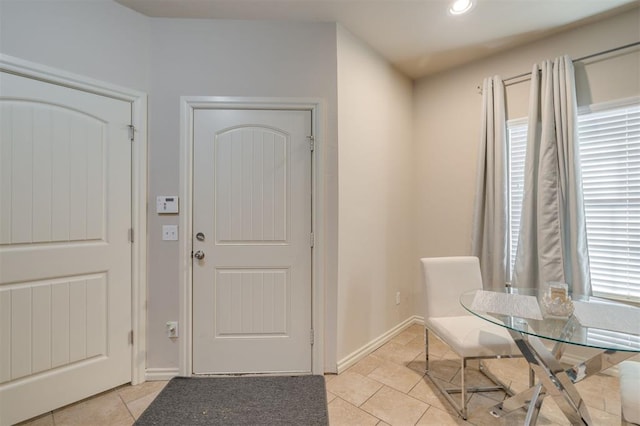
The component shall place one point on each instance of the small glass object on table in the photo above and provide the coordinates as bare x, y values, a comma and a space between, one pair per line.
555, 300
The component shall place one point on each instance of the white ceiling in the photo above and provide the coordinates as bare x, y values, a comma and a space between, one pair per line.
418, 36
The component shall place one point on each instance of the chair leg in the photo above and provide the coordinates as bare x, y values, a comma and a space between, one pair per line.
463, 389
426, 350
461, 407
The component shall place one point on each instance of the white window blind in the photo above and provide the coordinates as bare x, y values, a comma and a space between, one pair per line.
517, 134
609, 141
604, 338
610, 159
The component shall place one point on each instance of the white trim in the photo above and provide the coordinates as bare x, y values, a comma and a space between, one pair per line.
139, 247
374, 344
155, 374
138, 186
603, 106
187, 106
517, 122
64, 78
586, 109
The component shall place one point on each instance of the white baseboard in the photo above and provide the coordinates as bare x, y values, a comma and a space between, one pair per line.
374, 344
153, 374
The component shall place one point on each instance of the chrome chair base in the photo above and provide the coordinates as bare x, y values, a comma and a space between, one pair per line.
461, 406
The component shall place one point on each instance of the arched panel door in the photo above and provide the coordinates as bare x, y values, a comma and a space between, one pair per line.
65, 254
252, 241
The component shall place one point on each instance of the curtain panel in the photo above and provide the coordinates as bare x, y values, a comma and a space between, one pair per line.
490, 237
552, 243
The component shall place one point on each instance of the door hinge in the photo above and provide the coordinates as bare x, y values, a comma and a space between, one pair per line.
130, 234
312, 239
312, 142
131, 337
312, 337
132, 132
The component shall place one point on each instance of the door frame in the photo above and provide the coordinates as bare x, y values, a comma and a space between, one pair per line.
188, 105
138, 102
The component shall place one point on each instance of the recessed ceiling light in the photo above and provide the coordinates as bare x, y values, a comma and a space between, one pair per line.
458, 7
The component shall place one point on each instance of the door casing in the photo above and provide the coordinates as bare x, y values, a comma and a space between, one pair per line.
138, 102
188, 104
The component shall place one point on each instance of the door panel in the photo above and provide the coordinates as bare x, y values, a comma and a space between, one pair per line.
65, 258
251, 303
53, 174
252, 203
251, 186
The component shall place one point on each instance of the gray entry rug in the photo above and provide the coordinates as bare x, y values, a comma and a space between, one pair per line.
282, 400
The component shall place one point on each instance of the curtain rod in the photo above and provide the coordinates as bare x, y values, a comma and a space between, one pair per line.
593, 55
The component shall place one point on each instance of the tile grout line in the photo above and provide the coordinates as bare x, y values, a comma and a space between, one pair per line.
392, 388
422, 375
127, 407
358, 407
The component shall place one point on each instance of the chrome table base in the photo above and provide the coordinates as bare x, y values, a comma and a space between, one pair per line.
555, 380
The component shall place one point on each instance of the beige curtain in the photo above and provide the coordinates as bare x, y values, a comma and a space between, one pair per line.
552, 243
490, 230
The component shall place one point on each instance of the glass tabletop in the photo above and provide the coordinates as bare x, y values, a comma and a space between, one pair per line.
593, 323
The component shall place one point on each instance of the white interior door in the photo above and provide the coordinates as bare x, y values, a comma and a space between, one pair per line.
65, 255
252, 223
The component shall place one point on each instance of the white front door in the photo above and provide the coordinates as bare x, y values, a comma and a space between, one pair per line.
65, 255
252, 224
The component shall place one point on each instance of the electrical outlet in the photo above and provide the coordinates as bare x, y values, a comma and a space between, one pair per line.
397, 298
172, 329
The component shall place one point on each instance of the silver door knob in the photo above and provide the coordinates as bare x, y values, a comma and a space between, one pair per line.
199, 255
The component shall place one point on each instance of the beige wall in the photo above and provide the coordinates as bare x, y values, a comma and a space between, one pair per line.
99, 39
447, 110
227, 58
375, 199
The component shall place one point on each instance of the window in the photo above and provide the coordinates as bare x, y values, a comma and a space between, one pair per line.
609, 142
517, 144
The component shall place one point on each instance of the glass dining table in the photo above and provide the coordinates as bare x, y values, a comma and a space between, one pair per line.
611, 330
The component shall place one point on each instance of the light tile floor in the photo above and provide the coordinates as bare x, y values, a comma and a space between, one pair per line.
387, 387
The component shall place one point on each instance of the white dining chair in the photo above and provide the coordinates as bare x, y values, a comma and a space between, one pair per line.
630, 392
470, 337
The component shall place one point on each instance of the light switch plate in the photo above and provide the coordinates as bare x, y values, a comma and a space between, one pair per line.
170, 232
